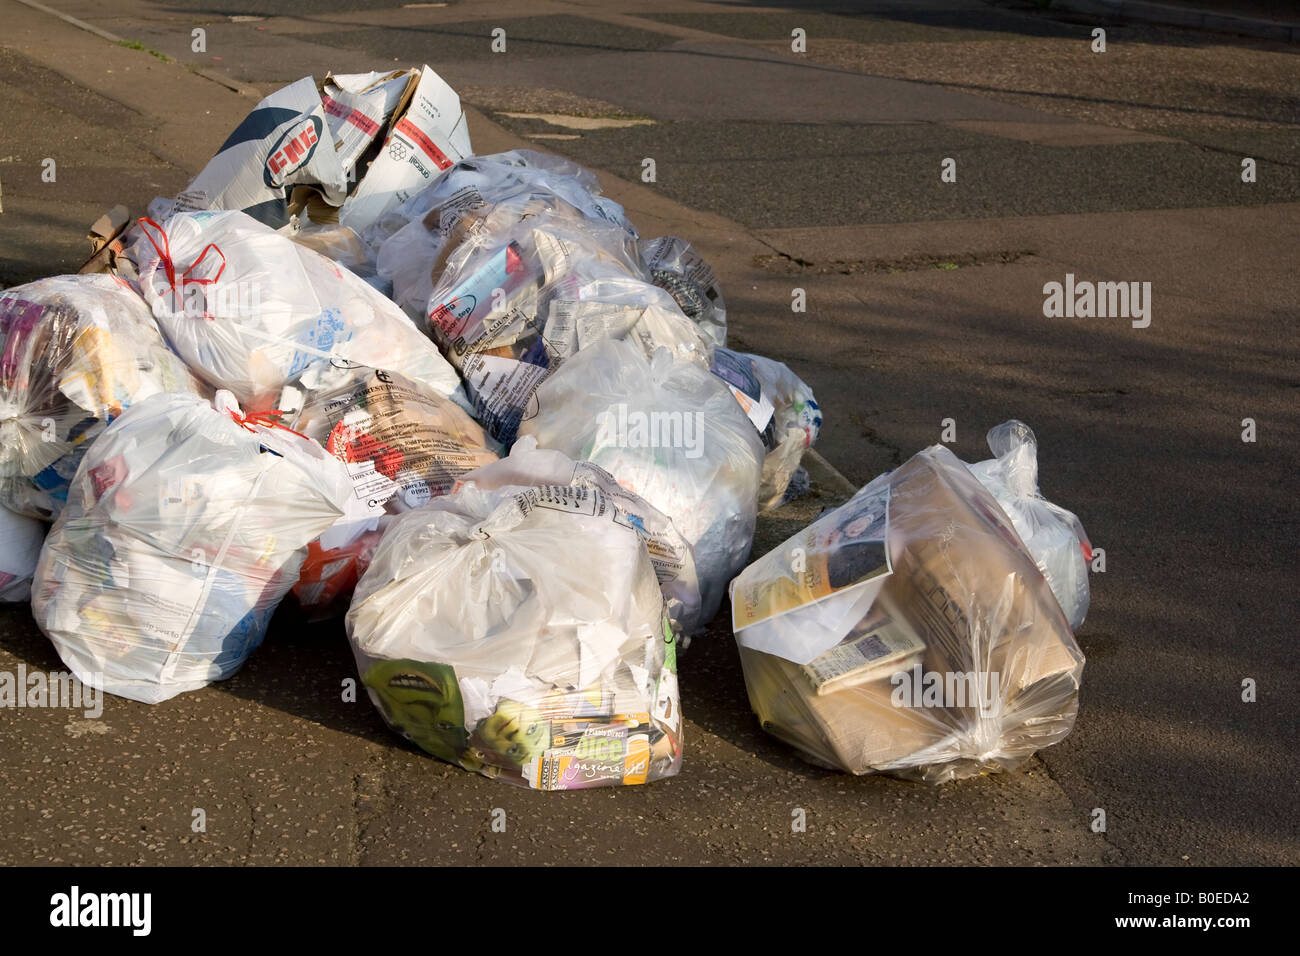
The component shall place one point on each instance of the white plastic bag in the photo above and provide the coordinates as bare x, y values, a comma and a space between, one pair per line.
480, 181
184, 528
434, 221
484, 637
528, 465
249, 309
415, 258
670, 431
1054, 536
74, 352
908, 631
783, 410
625, 308
20, 546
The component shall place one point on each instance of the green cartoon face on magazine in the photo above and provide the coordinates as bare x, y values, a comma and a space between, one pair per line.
514, 731
423, 701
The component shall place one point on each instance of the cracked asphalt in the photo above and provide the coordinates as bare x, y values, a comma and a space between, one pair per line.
817, 171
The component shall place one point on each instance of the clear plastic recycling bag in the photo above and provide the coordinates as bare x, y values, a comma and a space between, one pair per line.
908, 631
75, 351
481, 182
22, 537
185, 527
485, 639
413, 242
1054, 536
783, 410
676, 267
508, 294
670, 431
624, 308
250, 310
403, 444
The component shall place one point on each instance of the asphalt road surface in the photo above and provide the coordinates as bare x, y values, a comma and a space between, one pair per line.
820, 171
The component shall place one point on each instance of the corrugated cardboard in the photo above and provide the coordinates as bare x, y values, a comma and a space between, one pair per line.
108, 242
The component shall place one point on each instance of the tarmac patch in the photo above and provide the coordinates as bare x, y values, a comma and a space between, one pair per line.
783, 264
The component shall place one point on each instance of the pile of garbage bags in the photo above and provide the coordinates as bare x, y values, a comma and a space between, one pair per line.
460, 403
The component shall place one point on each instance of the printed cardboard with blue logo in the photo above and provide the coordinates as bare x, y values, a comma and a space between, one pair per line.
277, 146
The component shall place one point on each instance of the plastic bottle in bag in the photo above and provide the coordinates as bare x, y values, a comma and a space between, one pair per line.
185, 527
670, 431
75, 351
908, 631
483, 637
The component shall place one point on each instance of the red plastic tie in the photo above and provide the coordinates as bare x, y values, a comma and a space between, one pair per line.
164, 251
165, 257
271, 419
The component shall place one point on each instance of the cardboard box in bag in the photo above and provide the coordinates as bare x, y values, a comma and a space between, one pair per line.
965, 587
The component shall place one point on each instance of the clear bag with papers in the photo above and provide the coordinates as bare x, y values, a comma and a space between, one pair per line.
908, 632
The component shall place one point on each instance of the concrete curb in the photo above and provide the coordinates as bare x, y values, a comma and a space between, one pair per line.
823, 473
79, 24
1164, 14
213, 76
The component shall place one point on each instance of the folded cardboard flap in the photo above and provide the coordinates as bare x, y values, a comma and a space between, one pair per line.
107, 227
311, 202
107, 241
363, 107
